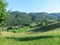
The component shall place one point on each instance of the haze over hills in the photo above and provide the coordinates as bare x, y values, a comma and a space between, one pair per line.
56, 14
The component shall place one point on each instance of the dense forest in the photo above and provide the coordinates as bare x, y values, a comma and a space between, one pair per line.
17, 18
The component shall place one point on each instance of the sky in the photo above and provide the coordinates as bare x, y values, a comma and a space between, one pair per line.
49, 6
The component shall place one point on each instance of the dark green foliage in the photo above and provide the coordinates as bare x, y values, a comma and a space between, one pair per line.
57, 15
17, 18
39, 17
3, 13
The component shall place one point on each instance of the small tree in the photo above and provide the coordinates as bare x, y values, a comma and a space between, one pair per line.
2, 14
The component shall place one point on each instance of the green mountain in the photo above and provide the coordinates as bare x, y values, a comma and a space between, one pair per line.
22, 18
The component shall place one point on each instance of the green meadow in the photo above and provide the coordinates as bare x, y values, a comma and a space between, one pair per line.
43, 38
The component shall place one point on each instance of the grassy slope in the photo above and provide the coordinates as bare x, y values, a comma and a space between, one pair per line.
45, 38
21, 30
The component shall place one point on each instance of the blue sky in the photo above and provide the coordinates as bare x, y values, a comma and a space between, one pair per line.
34, 5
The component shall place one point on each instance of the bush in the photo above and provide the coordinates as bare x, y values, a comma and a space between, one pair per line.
14, 31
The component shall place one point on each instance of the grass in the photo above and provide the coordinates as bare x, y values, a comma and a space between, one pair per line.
45, 38
21, 30
41, 41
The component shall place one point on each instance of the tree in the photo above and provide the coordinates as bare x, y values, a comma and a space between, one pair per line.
18, 18
3, 13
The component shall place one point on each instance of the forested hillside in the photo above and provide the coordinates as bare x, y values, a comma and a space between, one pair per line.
56, 14
17, 18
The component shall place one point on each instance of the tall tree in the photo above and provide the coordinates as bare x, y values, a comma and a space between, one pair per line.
3, 5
